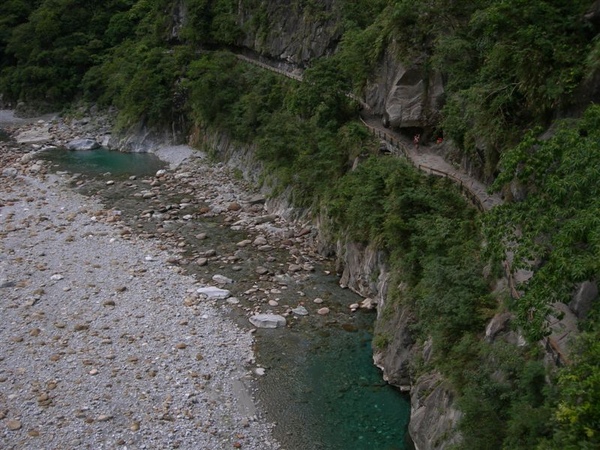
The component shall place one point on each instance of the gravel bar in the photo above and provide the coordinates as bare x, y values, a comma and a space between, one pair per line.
98, 346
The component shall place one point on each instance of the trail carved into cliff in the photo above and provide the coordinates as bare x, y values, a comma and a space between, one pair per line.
423, 158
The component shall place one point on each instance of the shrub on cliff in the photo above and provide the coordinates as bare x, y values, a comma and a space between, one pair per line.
556, 227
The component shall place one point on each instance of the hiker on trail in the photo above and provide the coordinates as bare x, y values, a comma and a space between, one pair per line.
439, 140
416, 140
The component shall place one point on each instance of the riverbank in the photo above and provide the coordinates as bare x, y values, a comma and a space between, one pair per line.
105, 342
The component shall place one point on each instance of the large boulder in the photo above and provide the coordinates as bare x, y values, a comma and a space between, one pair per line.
409, 102
38, 135
406, 95
84, 144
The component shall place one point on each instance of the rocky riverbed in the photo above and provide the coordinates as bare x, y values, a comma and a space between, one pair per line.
106, 343
118, 325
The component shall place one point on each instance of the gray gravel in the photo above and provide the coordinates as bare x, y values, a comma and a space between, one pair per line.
103, 343
8, 118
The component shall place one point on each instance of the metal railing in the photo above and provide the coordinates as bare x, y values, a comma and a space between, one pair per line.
297, 77
262, 65
399, 146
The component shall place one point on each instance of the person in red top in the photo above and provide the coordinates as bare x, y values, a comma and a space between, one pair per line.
416, 140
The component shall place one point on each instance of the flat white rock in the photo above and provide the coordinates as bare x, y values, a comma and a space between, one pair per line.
267, 320
214, 293
300, 311
222, 279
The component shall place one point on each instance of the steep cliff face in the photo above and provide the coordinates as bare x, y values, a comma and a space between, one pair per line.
292, 31
398, 348
363, 269
434, 415
405, 95
291, 34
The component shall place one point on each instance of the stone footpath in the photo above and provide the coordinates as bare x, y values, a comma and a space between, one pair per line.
104, 342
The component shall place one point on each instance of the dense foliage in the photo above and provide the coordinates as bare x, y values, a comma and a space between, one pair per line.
48, 51
556, 228
303, 139
434, 244
578, 413
431, 236
509, 66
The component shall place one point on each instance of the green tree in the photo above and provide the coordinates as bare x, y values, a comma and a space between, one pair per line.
322, 95
577, 417
214, 87
12, 14
509, 66
54, 48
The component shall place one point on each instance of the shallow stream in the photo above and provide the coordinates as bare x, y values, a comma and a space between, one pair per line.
320, 386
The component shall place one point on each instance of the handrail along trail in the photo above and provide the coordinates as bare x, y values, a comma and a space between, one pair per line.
471, 196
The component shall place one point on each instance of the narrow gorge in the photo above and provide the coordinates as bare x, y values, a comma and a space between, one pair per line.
444, 154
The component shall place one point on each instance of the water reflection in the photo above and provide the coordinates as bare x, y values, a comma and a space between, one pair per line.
324, 392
